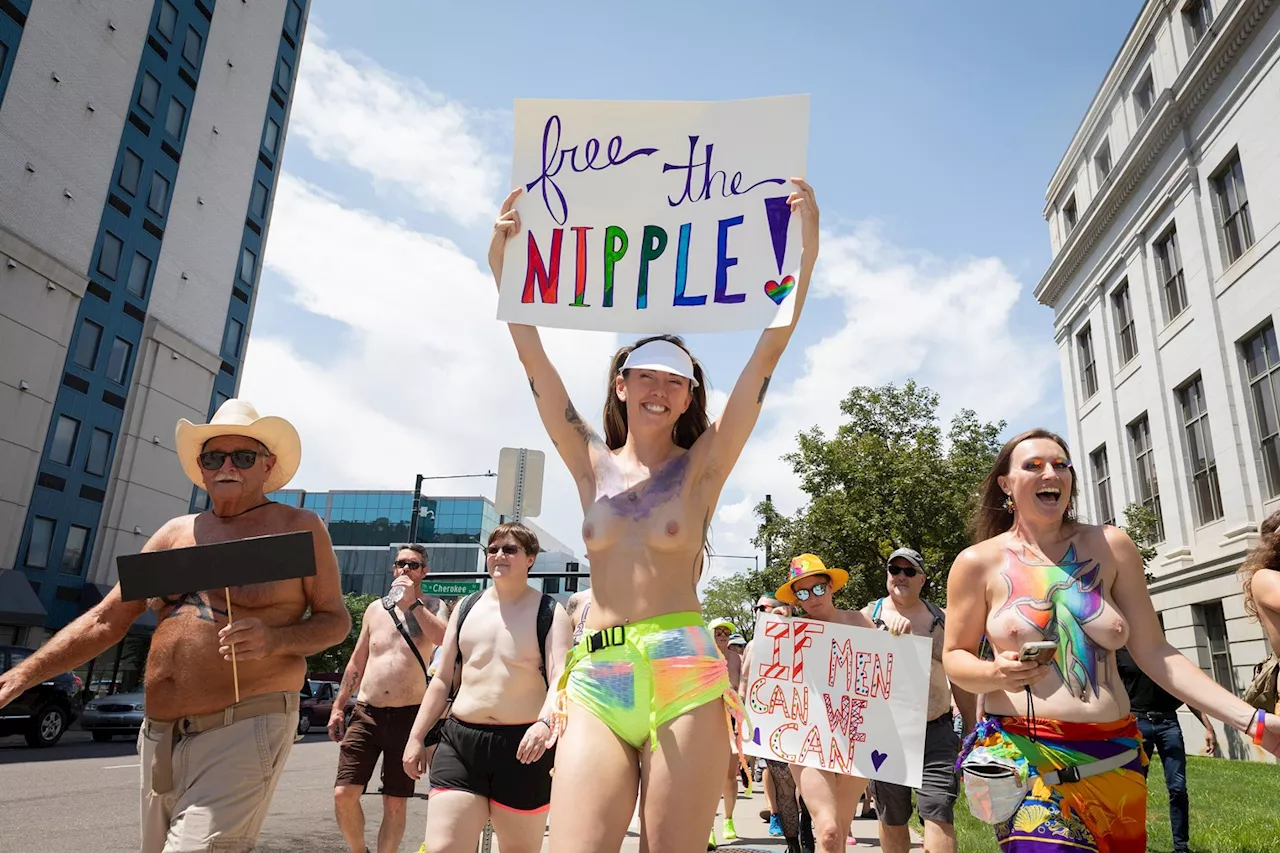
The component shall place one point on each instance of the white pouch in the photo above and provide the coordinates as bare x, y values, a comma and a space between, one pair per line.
994, 785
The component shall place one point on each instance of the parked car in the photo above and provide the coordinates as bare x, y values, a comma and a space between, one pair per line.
316, 704
119, 714
44, 712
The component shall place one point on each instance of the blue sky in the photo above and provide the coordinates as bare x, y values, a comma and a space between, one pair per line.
934, 131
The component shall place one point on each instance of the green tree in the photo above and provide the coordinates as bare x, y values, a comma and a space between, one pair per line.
732, 597
1144, 529
334, 659
889, 477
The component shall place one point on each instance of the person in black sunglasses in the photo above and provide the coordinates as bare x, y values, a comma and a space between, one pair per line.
387, 674
904, 611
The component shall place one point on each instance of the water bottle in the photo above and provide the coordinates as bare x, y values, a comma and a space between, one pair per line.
392, 598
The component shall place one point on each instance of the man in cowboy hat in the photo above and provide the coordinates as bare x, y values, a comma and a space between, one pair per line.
904, 611
210, 764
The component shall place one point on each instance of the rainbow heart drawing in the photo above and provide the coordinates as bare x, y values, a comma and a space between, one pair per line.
779, 290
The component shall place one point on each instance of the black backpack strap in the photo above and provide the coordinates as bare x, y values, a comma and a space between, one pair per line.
875, 613
939, 618
463, 609
546, 616
395, 617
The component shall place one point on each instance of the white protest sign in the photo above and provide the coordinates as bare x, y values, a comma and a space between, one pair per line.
847, 700
655, 216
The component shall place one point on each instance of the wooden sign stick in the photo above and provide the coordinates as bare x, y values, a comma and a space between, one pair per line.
235, 674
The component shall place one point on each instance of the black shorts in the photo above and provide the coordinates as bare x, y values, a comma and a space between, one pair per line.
482, 760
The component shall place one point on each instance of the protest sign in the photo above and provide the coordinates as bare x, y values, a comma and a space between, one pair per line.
174, 571
655, 216
846, 700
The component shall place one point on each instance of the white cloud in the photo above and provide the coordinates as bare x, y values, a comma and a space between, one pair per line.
409, 139
947, 324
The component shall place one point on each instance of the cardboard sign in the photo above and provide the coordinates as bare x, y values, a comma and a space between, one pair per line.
846, 700
240, 562
655, 216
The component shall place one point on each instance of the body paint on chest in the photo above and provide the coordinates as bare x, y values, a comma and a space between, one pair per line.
663, 486
1058, 600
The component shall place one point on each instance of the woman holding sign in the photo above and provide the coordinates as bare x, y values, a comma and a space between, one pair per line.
1057, 760
646, 696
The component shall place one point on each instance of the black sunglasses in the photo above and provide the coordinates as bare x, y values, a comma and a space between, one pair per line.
211, 460
761, 608
407, 564
509, 550
909, 571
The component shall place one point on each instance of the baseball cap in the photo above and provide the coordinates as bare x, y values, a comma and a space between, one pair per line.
911, 555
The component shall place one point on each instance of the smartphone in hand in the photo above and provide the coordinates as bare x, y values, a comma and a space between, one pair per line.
1038, 652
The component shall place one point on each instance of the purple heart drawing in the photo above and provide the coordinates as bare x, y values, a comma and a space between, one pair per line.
756, 737
877, 758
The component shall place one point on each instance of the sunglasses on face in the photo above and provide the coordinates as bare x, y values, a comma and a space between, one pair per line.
509, 550
909, 571
818, 589
408, 564
211, 460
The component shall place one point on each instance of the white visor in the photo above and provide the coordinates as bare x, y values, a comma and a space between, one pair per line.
664, 356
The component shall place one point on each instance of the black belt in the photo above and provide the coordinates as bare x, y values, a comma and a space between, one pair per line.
1156, 716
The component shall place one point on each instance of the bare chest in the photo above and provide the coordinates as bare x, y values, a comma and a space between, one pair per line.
654, 513
509, 641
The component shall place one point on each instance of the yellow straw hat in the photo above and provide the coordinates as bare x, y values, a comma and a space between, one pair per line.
802, 567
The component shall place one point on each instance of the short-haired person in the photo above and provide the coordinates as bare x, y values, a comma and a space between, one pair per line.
197, 740
1036, 574
494, 759
905, 611
830, 797
388, 674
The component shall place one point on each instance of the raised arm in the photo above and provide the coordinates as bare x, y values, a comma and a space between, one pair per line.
575, 440
729, 434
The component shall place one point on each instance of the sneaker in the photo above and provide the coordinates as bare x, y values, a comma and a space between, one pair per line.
711, 842
775, 826
729, 833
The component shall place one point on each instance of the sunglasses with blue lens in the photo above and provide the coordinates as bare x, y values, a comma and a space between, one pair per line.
818, 589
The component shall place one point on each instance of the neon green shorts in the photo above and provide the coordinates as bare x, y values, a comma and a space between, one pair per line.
637, 677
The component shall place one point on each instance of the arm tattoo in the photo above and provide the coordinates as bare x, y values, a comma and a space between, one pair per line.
764, 387
411, 625
351, 680
579, 426
536, 395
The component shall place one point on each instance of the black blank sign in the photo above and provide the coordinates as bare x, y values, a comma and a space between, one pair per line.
223, 564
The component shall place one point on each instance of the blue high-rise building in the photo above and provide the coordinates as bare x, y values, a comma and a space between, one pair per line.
140, 146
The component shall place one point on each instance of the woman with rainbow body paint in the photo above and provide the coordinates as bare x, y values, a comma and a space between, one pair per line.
1037, 574
646, 698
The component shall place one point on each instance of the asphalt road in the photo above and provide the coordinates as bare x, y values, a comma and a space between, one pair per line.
81, 795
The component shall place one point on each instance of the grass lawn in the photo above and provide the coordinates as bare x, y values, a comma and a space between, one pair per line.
1235, 808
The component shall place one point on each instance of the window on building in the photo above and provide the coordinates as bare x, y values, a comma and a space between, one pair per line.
1069, 213
87, 344
139, 274
258, 201
284, 74
149, 94
65, 433
1262, 368
248, 265
41, 542
158, 198
1102, 485
1144, 96
1088, 364
167, 20
4, 55
1126, 329
73, 552
1173, 290
271, 137
1200, 459
118, 363
177, 117
1144, 466
1233, 208
191, 47
99, 451
292, 18
109, 257
1199, 15
232, 338
130, 172
1209, 615
1102, 161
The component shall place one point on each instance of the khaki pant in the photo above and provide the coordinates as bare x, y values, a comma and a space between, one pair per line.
223, 772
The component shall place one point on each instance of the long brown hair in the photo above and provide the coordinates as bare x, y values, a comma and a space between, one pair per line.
692, 423
1265, 556
989, 517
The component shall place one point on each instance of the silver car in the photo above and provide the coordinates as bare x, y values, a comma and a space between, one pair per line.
120, 714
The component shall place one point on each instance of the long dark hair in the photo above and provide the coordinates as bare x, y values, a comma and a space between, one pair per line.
989, 517
692, 423
1265, 556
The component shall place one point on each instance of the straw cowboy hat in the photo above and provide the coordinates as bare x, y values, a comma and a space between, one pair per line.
804, 566
239, 417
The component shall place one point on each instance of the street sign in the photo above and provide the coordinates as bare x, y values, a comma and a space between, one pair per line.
448, 588
519, 493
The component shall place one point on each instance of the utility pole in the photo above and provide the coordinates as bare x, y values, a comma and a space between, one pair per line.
768, 534
417, 497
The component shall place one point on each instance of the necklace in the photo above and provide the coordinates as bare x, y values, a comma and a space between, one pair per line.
243, 511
